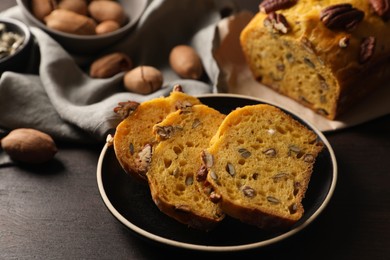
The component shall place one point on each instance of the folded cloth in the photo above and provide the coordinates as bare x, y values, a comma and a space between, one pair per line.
57, 96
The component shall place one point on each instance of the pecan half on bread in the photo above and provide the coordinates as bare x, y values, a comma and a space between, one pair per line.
341, 16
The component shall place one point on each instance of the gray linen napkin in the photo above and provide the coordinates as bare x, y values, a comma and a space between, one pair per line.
60, 98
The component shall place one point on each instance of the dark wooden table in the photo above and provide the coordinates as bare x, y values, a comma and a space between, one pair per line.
54, 211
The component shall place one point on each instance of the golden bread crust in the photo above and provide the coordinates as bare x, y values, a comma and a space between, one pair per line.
319, 67
135, 131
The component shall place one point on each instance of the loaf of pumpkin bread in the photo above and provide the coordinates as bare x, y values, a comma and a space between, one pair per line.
326, 54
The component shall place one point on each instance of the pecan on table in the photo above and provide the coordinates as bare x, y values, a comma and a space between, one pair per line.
268, 6
341, 16
382, 8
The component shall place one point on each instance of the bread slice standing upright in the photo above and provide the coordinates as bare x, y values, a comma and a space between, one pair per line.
134, 140
259, 164
176, 188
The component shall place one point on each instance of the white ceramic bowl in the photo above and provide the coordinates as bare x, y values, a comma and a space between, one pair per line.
89, 44
17, 60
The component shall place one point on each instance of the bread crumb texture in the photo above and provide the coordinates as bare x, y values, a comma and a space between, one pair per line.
262, 161
172, 176
135, 131
324, 68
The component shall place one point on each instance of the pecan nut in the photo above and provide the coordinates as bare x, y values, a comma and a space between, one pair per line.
207, 159
70, 22
341, 16
344, 42
42, 8
177, 88
215, 197
276, 23
124, 109
268, 6
367, 48
165, 132
144, 158
201, 175
110, 65
381, 7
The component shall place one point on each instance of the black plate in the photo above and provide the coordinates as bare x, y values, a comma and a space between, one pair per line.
130, 201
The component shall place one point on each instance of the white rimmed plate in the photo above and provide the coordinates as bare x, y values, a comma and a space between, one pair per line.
130, 202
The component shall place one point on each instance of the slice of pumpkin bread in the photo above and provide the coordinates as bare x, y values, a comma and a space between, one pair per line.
133, 138
172, 175
259, 164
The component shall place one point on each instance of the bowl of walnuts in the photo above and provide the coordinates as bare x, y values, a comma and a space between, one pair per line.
84, 26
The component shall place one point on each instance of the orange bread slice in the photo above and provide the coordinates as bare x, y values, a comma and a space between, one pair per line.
133, 138
259, 164
172, 175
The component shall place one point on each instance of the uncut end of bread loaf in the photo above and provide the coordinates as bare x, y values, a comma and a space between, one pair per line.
172, 175
327, 70
259, 164
134, 139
